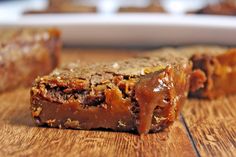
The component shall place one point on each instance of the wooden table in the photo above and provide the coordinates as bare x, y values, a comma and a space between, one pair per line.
205, 128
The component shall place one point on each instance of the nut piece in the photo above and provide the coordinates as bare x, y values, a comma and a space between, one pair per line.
36, 111
72, 124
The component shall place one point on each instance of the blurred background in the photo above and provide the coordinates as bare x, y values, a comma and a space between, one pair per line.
127, 23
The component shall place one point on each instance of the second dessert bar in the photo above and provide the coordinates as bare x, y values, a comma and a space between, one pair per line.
26, 54
220, 70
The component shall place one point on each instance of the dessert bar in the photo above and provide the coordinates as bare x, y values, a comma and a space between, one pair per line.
142, 94
220, 70
26, 54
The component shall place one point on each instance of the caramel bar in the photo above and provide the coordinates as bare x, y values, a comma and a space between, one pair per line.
69, 6
143, 94
151, 8
225, 7
220, 70
26, 54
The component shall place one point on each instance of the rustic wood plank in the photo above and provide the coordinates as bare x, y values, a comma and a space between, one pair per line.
212, 125
20, 137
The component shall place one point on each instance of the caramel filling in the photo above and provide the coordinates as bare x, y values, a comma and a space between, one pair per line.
155, 89
164, 90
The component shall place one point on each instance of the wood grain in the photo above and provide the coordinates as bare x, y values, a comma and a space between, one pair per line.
212, 125
20, 137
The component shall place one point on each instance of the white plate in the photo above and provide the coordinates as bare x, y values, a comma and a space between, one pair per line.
135, 29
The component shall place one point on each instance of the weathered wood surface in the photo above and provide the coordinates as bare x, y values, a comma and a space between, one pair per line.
211, 124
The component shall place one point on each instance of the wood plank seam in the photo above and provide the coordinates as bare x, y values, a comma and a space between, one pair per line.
190, 136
